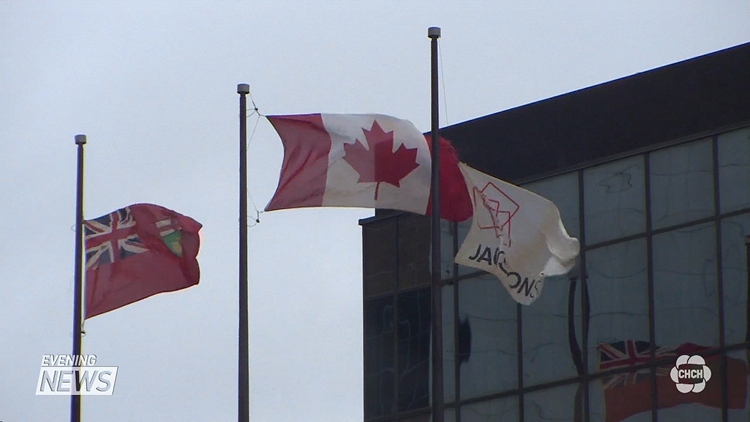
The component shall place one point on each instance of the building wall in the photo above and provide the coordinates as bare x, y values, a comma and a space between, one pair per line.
663, 271
662, 230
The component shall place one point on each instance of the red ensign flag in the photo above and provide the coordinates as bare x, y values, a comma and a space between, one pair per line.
137, 252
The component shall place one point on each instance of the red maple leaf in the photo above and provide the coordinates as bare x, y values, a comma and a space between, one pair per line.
379, 163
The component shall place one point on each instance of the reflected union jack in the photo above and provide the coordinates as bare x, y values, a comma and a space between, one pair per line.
621, 354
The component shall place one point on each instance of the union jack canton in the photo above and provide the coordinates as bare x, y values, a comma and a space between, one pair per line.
111, 238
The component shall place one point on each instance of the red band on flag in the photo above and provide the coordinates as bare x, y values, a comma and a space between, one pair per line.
303, 173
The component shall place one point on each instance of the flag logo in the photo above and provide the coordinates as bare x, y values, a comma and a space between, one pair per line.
496, 209
169, 230
690, 374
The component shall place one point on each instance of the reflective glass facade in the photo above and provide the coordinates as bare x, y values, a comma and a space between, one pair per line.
663, 272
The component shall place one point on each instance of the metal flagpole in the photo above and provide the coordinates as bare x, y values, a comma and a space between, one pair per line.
75, 399
437, 301
747, 304
747, 307
243, 392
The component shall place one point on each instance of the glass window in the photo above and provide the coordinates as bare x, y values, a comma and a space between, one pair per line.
554, 404
379, 257
734, 170
682, 184
563, 192
734, 273
463, 231
550, 351
689, 413
413, 349
449, 415
425, 417
414, 251
379, 357
614, 200
488, 315
685, 288
447, 252
505, 409
737, 386
621, 397
618, 297
449, 345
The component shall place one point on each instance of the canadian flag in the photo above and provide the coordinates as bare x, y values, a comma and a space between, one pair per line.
359, 160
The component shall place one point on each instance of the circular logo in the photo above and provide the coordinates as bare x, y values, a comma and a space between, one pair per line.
690, 373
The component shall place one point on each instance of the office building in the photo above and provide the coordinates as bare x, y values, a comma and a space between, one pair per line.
651, 173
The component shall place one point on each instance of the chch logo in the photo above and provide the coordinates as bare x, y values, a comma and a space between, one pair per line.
690, 373
498, 209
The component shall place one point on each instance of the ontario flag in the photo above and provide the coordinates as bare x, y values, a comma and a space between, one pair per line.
137, 252
363, 160
629, 393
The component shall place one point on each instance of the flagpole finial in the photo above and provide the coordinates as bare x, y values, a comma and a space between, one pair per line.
433, 32
80, 139
243, 88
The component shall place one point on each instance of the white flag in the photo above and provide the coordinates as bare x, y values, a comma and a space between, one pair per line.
516, 235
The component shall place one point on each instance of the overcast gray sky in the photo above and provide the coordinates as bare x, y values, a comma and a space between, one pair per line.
153, 85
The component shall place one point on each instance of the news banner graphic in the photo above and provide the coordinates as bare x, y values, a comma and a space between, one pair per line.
63, 375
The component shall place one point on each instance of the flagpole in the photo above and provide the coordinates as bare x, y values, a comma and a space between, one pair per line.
747, 307
747, 311
75, 399
243, 392
437, 301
